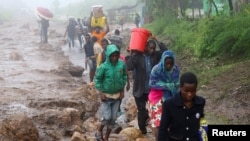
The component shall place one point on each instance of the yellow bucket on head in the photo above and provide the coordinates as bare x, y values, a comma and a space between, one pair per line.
100, 21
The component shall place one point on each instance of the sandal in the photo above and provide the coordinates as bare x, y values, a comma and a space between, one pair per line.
98, 136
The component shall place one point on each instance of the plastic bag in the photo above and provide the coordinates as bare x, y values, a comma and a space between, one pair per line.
203, 130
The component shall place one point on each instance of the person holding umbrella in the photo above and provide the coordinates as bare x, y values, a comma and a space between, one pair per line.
44, 15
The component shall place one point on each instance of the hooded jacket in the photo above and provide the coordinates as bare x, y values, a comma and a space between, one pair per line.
111, 78
162, 79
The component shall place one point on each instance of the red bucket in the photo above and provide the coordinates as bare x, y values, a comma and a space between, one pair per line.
138, 39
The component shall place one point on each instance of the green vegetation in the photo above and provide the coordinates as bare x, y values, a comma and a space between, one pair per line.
217, 49
207, 41
209, 37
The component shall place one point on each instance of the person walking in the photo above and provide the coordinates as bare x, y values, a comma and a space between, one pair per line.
70, 32
181, 114
110, 80
137, 20
141, 63
163, 83
79, 31
116, 38
101, 57
90, 59
100, 32
85, 32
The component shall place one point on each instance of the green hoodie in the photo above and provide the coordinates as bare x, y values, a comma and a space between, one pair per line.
111, 78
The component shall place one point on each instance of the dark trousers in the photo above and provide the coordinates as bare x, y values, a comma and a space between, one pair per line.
142, 114
44, 35
71, 41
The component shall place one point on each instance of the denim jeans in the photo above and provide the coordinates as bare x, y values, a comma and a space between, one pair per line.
110, 108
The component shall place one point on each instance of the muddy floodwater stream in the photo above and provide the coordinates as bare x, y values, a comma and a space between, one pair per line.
33, 75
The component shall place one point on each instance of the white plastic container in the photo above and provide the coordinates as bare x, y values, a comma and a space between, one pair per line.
97, 11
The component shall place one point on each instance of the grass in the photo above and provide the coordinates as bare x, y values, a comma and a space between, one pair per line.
208, 75
213, 119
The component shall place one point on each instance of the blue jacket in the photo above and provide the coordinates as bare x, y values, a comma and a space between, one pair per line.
161, 79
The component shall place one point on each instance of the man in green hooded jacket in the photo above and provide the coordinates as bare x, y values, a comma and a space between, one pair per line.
110, 80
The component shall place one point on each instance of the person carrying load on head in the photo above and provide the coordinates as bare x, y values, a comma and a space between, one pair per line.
143, 57
99, 24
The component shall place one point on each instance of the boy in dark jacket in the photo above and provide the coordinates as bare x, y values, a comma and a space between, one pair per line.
181, 114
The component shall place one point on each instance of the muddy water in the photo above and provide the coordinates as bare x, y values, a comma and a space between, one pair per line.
77, 57
27, 67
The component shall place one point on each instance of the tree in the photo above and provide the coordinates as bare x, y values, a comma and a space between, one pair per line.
160, 8
231, 6
245, 1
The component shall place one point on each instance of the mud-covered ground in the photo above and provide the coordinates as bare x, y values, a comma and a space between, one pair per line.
34, 77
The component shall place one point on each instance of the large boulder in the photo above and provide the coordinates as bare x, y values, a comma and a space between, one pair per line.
19, 127
130, 109
132, 133
119, 137
78, 137
76, 71
91, 124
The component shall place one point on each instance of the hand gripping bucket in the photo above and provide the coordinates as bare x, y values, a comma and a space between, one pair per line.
138, 39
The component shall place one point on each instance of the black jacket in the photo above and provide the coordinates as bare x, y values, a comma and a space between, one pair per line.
183, 123
137, 64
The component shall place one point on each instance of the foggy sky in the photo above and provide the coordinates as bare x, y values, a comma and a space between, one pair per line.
47, 3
